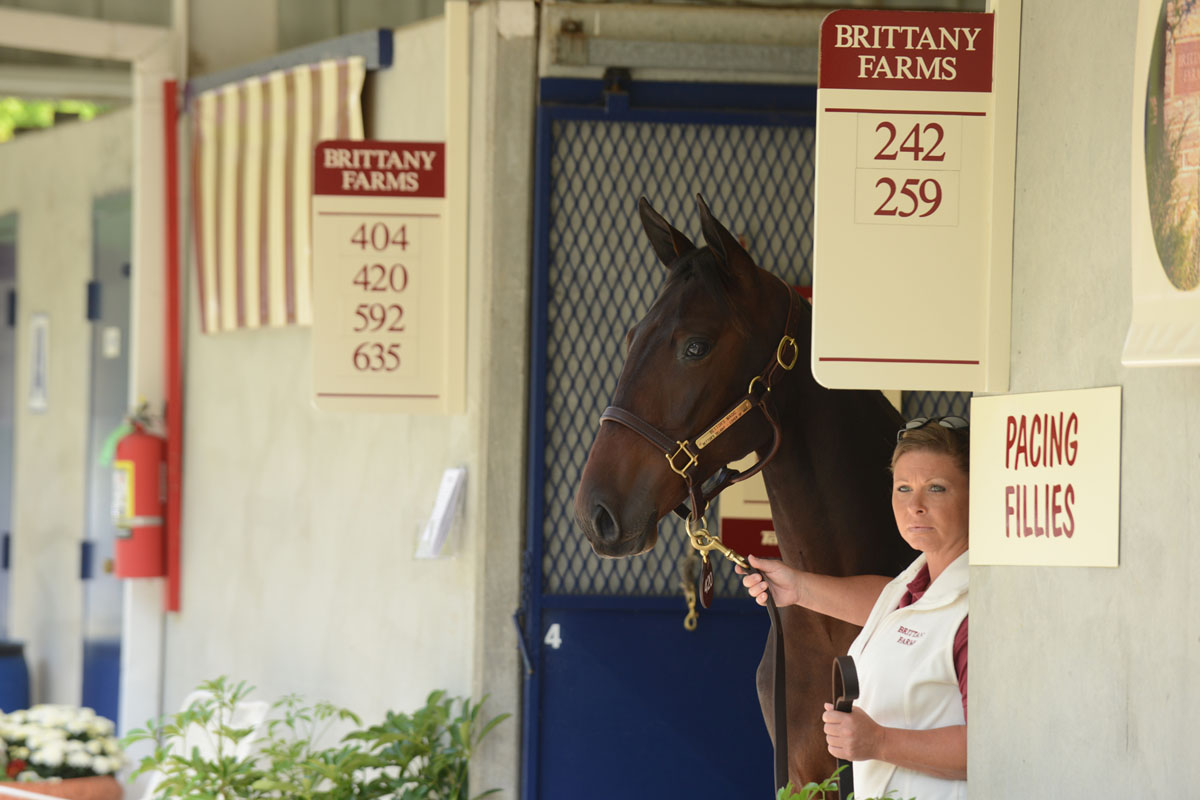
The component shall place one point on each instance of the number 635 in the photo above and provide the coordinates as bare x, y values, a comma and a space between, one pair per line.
377, 357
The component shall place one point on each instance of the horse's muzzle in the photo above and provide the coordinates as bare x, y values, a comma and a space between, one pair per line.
607, 535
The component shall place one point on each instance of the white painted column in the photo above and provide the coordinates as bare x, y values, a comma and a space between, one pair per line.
143, 617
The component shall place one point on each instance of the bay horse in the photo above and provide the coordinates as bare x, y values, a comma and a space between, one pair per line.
716, 322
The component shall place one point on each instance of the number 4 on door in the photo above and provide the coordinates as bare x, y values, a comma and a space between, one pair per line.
554, 636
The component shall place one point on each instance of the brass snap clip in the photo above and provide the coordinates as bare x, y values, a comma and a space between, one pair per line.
704, 542
692, 620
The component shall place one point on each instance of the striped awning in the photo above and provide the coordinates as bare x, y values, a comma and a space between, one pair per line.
252, 154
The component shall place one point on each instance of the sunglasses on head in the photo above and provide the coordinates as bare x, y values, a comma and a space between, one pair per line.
953, 423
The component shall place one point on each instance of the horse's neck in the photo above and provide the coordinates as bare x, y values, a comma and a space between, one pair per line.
828, 484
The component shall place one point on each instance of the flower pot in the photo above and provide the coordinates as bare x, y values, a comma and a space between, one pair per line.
99, 787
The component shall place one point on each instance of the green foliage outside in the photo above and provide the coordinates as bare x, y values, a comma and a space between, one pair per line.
825, 790
17, 113
419, 756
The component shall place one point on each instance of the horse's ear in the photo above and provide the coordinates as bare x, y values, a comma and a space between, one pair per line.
724, 244
668, 243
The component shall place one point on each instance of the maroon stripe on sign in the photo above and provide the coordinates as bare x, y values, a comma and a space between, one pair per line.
904, 111
264, 251
289, 156
198, 220
372, 214
239, 202
343, 95
219, 152
899, 360
416, 396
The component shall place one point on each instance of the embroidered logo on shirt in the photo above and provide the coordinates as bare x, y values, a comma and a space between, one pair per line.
908, 636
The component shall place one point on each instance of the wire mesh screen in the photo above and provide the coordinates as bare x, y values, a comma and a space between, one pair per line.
603, 276
936, 404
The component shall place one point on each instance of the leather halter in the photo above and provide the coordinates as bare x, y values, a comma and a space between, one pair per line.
683, 456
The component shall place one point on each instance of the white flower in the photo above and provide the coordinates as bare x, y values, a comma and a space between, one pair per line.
19, 752
51, 755
79, 759
28, 775
94, 746
102, 765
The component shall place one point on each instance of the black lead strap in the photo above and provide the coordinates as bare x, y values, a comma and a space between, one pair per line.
845, 692
781, 734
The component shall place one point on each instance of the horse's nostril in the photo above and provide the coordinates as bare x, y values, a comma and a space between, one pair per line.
603, 523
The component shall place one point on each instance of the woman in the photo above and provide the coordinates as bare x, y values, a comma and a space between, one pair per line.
908, 731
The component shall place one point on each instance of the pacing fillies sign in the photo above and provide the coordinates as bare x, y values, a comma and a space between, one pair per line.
1046, 478
388, 322
903, 200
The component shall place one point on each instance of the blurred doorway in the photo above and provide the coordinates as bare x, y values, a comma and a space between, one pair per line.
108, 311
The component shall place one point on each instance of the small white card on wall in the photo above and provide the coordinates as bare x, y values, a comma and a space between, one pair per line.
445, 513
39, 377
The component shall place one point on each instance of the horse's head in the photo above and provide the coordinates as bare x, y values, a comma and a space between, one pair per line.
715, 323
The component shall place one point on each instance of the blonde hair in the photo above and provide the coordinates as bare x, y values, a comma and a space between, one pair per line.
934, 438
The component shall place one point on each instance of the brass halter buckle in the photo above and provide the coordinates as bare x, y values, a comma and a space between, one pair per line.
704, 542
784, 343
692, 459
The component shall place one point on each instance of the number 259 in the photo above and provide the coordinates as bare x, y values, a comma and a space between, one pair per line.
928, 193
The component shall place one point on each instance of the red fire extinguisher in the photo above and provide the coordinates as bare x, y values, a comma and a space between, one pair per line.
139, 503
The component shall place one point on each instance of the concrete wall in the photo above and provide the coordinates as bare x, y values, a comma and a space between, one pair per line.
1084, 681
51, 179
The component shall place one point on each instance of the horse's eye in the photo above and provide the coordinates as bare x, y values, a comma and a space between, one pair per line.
696, 348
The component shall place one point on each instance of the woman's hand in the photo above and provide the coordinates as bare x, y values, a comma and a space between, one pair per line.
854, 736
783, 581
940, 752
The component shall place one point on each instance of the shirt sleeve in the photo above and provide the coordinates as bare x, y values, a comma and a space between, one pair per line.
960, 661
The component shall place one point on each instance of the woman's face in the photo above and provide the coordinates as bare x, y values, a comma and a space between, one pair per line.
929, 498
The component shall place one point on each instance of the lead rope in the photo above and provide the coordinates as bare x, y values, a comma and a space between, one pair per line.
845, 692
781, 737
703, 542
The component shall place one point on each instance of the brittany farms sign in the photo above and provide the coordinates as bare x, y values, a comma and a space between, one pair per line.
908, 52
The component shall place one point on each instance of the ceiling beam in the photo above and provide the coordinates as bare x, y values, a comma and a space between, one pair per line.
75, 83
78, 36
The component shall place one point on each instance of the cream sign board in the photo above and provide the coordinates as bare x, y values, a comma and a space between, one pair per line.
906, 149
1046, 478
389, 316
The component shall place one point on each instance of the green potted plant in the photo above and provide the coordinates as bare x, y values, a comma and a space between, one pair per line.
203, 751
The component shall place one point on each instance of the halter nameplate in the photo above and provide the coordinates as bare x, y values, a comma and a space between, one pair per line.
723, 424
